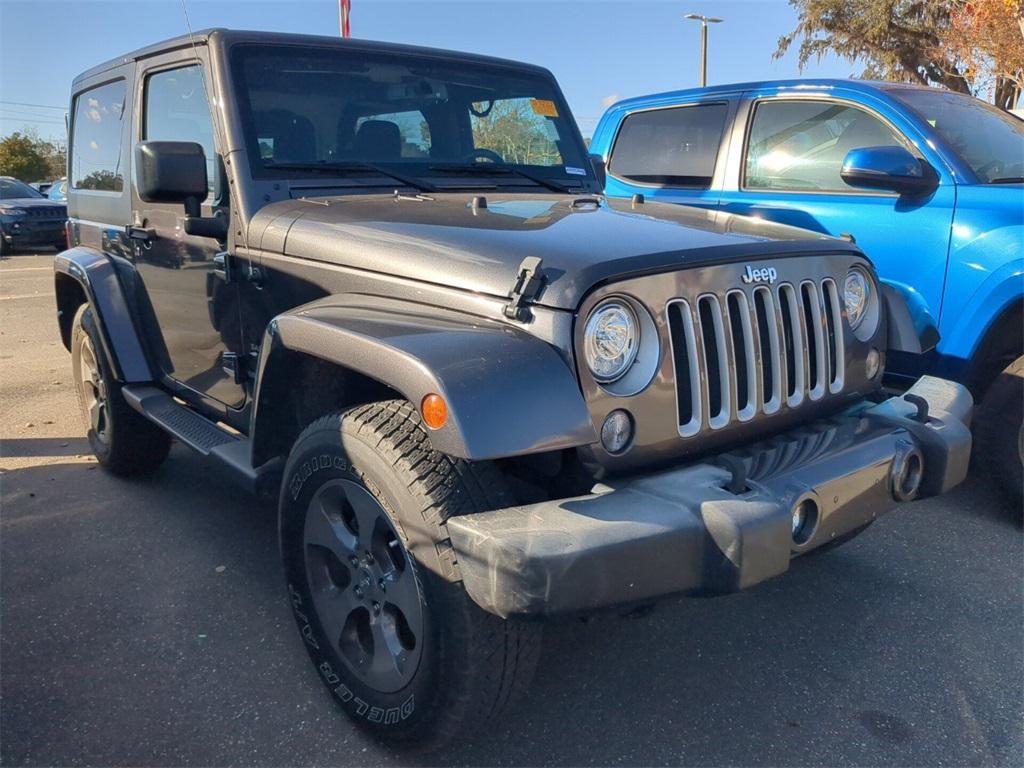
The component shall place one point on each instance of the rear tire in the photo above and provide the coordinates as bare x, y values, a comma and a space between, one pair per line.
999, 431
124, 441
374, 585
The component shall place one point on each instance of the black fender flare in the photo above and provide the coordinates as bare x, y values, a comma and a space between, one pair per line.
96, 275
911, 327
508, 393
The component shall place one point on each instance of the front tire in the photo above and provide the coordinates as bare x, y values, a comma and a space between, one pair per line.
374, 585
1000, 431
124, 442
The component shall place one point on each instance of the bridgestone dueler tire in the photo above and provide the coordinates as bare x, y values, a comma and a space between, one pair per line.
131, 445
472, 663
999, 431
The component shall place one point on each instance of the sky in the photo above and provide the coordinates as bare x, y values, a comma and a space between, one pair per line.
599, 50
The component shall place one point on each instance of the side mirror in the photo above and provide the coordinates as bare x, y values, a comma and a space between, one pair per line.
175, 172
597, 162
891, 168
171, 172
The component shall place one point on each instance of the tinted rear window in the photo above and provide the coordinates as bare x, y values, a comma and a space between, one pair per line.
674, 147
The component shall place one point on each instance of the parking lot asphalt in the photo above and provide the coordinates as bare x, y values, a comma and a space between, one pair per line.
144, 623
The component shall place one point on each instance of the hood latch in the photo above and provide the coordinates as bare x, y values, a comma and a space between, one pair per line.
526, 288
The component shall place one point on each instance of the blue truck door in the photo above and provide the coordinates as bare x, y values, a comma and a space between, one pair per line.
785, 166
671, 154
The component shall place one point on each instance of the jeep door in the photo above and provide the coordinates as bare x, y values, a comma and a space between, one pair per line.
197, 334
784, 166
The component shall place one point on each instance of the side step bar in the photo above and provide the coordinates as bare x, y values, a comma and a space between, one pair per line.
203, 436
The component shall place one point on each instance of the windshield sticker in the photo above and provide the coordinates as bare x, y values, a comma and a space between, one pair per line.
575, 171
544, 108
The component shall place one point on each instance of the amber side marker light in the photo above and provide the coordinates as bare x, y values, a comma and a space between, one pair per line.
434, 410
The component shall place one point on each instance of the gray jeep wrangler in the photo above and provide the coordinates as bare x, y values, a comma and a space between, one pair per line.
382, 283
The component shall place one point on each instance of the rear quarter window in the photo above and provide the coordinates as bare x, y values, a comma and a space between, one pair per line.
96, 162
677, 146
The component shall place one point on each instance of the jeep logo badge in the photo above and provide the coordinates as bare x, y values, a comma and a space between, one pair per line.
763, 275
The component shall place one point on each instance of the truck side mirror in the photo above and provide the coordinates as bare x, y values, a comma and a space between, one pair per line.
891, 168
175, 172
599, 170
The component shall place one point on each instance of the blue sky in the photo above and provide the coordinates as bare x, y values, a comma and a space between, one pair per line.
599, 50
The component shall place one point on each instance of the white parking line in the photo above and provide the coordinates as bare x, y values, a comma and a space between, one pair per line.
26, 296
25, 269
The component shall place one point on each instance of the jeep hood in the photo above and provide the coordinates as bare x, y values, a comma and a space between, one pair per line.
582, 241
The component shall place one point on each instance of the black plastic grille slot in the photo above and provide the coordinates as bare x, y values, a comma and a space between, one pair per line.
834, 328
814, 323
710, 330
768, 345
681, 361
793, 343
685, 358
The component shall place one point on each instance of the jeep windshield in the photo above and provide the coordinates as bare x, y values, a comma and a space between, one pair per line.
423, 121
988, 139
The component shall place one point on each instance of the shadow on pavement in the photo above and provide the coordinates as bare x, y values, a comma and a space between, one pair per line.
23, 447
145, 622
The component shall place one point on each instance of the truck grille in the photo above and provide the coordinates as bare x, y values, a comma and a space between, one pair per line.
754, 351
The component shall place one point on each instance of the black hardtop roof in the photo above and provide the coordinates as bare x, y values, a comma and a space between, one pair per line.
231, 36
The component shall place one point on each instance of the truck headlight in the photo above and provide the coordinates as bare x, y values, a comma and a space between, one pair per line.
611, 340
856, 295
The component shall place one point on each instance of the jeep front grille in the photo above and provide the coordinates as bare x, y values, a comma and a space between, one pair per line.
754, 350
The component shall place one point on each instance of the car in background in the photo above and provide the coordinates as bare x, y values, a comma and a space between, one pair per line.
58, 190
929, 183
28, 219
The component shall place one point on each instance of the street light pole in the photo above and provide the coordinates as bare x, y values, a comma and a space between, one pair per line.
704, 21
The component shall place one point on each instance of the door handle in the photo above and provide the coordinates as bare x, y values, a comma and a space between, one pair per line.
140, 234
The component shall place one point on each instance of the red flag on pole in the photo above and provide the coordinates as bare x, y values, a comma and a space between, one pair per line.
345, 10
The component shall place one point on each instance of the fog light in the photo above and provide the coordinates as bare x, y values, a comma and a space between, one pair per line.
873, 362
616, 432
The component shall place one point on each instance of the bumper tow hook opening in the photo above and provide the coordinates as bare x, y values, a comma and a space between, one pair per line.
921, 404
737, 469
906, 476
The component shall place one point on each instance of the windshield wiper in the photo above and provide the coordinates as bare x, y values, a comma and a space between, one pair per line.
344, 168
488, 169
1007, 180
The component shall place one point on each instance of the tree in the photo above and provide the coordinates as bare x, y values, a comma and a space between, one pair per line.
898, 39
21, 158
919, 41
987, 36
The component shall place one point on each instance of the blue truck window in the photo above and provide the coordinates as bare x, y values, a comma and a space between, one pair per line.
96, 138
672, 147
801, 144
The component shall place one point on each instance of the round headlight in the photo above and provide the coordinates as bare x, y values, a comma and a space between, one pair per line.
856, 295
611, 341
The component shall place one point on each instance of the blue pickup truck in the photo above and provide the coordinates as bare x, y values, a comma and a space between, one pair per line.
929, 183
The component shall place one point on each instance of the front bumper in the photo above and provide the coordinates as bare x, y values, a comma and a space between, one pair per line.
720, 526
30, 232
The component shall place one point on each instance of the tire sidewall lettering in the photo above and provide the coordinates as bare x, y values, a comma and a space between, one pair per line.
313, 465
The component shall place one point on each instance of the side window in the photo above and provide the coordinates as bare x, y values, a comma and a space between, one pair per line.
673, 147
96, 138
176, 110
801, 145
